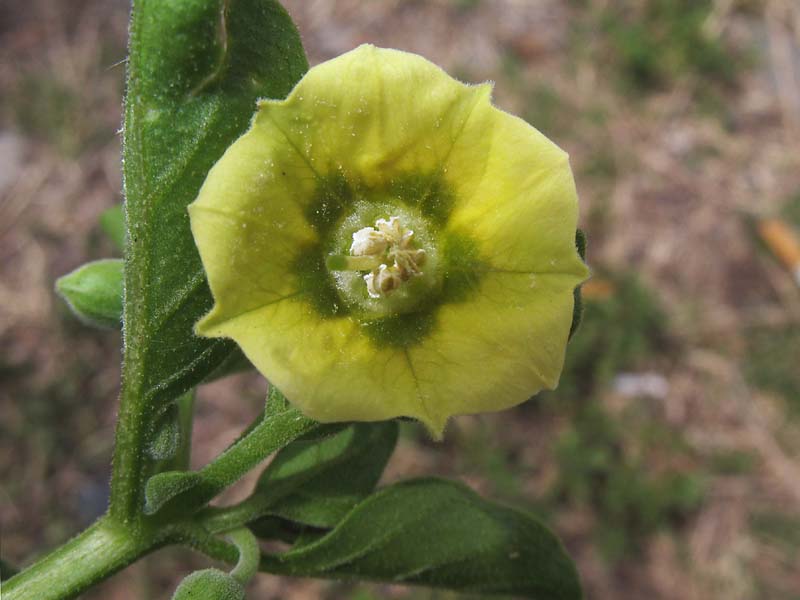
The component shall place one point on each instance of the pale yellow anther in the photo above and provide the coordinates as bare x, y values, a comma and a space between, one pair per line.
367, 241
392, 243
394, 232
382, 281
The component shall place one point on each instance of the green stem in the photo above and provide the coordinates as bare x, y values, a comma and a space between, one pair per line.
130, 462
196, 488
97, 553
200, 540
219, 520
270, 435
249, 554
193, 535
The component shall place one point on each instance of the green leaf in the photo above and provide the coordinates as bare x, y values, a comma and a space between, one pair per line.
577, 307
209, 584
580, 244
577, 311
112, 222
167, 435
94, 292
317, 482
235, 362
291, 533
195, 71
441, 534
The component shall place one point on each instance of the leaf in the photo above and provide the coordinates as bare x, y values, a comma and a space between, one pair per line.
580, 244
195, 70
289, 532
577, 307
317, 482
112, 222
235, 362
167, 435
209, 584
94, 292
441, 534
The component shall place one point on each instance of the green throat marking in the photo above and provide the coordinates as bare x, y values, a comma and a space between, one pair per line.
386, 257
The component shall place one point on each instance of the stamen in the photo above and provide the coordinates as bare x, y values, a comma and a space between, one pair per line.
386, 251
368, 241
382, 281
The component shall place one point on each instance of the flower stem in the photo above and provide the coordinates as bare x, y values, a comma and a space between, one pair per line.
98, 552
249, 554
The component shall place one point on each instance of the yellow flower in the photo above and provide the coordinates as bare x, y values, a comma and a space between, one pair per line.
384, 242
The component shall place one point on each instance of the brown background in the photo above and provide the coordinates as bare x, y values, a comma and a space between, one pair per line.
680, 479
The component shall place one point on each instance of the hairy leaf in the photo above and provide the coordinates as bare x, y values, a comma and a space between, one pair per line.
441, 534
196, 69
317, 482
166, 436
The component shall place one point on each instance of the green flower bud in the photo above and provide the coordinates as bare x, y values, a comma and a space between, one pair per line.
94, 292
209, 584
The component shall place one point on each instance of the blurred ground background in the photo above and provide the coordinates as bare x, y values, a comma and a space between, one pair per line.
668, 460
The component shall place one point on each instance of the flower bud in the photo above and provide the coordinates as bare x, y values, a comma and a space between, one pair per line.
94, 292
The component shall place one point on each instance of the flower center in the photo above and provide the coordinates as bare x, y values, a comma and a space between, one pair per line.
388, 267
388, 251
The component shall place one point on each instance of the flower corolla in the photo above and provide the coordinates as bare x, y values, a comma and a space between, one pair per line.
384, 242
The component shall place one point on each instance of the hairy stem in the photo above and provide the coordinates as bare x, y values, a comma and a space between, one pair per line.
249, 554
130, 462
97, 553
218, 520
